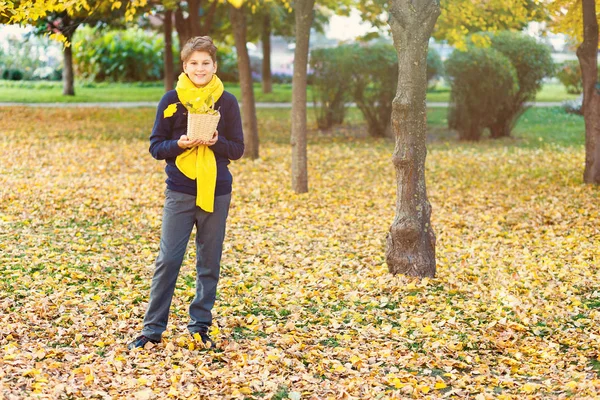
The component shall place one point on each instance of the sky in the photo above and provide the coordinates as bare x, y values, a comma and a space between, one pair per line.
347, 28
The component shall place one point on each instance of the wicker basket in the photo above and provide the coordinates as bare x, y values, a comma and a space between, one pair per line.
202, 126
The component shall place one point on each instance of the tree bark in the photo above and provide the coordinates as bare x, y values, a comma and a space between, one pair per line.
169, 78
208, 19
587, 53
267, 85
250, 125
68, 77
304, 19
411, 241
194, 17
183, 30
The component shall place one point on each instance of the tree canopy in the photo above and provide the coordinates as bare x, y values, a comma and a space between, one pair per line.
566, 17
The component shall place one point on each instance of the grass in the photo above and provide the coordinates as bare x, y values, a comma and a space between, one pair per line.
536, 128
551, 92
51, 92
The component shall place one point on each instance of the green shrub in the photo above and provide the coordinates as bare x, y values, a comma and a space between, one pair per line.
130, 55
435, 68
281, 78
227, 65
482, 82
12, 74
331, 84
374, 71
532, 62
569, 74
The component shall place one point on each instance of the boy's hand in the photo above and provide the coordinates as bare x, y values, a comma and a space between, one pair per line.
186, 143
213, 140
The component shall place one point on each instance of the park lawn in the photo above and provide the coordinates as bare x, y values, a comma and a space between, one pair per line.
551, 92
51, 92
306, 307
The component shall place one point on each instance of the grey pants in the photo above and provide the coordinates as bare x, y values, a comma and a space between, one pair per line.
179, 217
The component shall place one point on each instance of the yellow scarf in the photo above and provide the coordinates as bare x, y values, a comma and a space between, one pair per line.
199, 162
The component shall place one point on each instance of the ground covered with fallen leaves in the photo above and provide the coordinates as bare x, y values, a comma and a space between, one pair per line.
306, 307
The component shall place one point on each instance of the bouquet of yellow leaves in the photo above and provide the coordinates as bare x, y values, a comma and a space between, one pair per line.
202, 119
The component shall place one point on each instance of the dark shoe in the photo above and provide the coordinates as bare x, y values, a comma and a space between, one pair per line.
206, 340
141, 341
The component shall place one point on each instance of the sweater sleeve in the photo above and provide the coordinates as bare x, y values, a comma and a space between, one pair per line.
231, 142
162, 143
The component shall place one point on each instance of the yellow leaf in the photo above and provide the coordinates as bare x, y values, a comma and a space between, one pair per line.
440, 385
31, 372
236, 3
529, 388
170, 110
572, 385
354, 359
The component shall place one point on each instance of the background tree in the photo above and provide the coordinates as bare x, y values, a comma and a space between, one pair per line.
533, 63
250, 124
61, 19
169, 79
579, 19
587, 53
411, 240
304, 18
64, 22
272, 17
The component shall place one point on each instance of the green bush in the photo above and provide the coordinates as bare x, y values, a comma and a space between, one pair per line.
131, 55
532, 62
281, 78
482, 82
12, 74
435, 68
331, 84
227, 65
374, 71
367, 75
569, 74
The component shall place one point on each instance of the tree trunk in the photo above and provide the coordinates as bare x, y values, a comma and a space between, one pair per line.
588, 59
304, 18
500, 129
169, 79
68, 79
183, 32
250, 125
208, 19
194, 17
411, 241
267, 85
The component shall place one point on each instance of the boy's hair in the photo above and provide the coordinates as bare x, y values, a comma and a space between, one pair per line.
199, 43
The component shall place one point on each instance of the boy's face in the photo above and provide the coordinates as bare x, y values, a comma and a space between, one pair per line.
200, 68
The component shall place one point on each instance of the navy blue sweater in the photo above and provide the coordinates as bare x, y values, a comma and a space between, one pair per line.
166, 132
